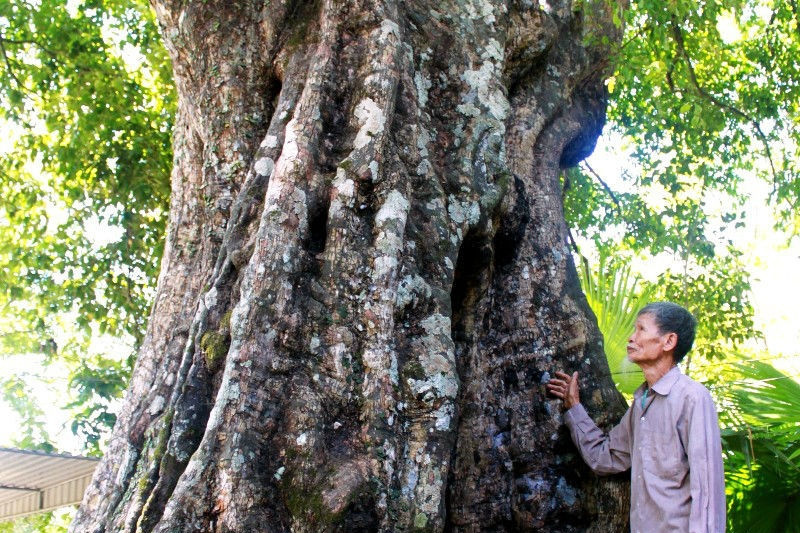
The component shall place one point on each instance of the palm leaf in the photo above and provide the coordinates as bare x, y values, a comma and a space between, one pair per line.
761, 441
612, 294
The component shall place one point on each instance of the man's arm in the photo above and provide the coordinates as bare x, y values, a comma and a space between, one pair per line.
706, 475
604, 453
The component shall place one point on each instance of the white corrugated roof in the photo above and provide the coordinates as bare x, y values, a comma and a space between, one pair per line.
31, 481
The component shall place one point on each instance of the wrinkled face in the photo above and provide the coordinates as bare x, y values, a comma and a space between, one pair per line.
647, 344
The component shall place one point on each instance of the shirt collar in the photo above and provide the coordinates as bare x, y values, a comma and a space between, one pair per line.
664, 385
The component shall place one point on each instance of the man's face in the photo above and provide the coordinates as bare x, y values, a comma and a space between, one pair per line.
647, 344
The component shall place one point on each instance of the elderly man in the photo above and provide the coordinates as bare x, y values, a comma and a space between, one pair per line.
669, 437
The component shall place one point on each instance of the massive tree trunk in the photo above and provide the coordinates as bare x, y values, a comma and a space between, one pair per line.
366, 279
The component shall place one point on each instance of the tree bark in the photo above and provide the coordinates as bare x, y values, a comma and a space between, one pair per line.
366, 280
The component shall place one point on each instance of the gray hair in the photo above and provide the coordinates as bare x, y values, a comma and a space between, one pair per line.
672, 318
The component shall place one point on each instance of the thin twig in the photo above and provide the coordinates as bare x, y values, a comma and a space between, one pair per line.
605, 186
11, 68
29, 41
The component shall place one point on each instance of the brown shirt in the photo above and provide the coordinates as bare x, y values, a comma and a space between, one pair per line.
672, 446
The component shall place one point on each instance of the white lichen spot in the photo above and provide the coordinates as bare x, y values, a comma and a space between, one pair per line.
422, 142
455, 211
436, 324
468, 110
237, 461
385, 265
494, 50
411, 480
302, 439
484, 85
270, 141
443, 416
210, 299
435, 205
409, 288
448, 263
233, 391
372, 121
157, 405
264, 166
314, 344
423, 84
394, 208
474, 213
389, 27
525, 272
279, 473
373, 169
423, 168
344, 186
469, 212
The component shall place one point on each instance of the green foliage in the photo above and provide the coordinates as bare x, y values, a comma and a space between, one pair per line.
97, 383
49, 522
761, 416
18, 394
88, 104
707, 92
613, 296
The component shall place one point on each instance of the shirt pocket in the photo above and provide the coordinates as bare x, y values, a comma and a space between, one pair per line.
664, 459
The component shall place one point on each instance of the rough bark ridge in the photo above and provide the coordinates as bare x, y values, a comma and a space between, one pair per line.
366, 279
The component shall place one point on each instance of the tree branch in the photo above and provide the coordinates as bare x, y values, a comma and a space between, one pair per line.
676, 31
11, 68
605, 186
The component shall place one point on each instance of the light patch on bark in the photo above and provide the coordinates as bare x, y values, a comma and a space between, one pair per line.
264, 166
394, 209
411, 289
343, 194
270, 141
157, 405
210, 299
461, 212
372, 121
387, 28
479, 10
484, 87
423, 84
373, 170
437, 360
444, 415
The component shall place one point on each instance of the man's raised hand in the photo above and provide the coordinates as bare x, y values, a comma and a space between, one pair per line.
565, 387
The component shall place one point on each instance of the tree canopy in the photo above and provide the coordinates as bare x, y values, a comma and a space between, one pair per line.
88, 109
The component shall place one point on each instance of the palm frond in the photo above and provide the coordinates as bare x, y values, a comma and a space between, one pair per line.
760, 412
614, 295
